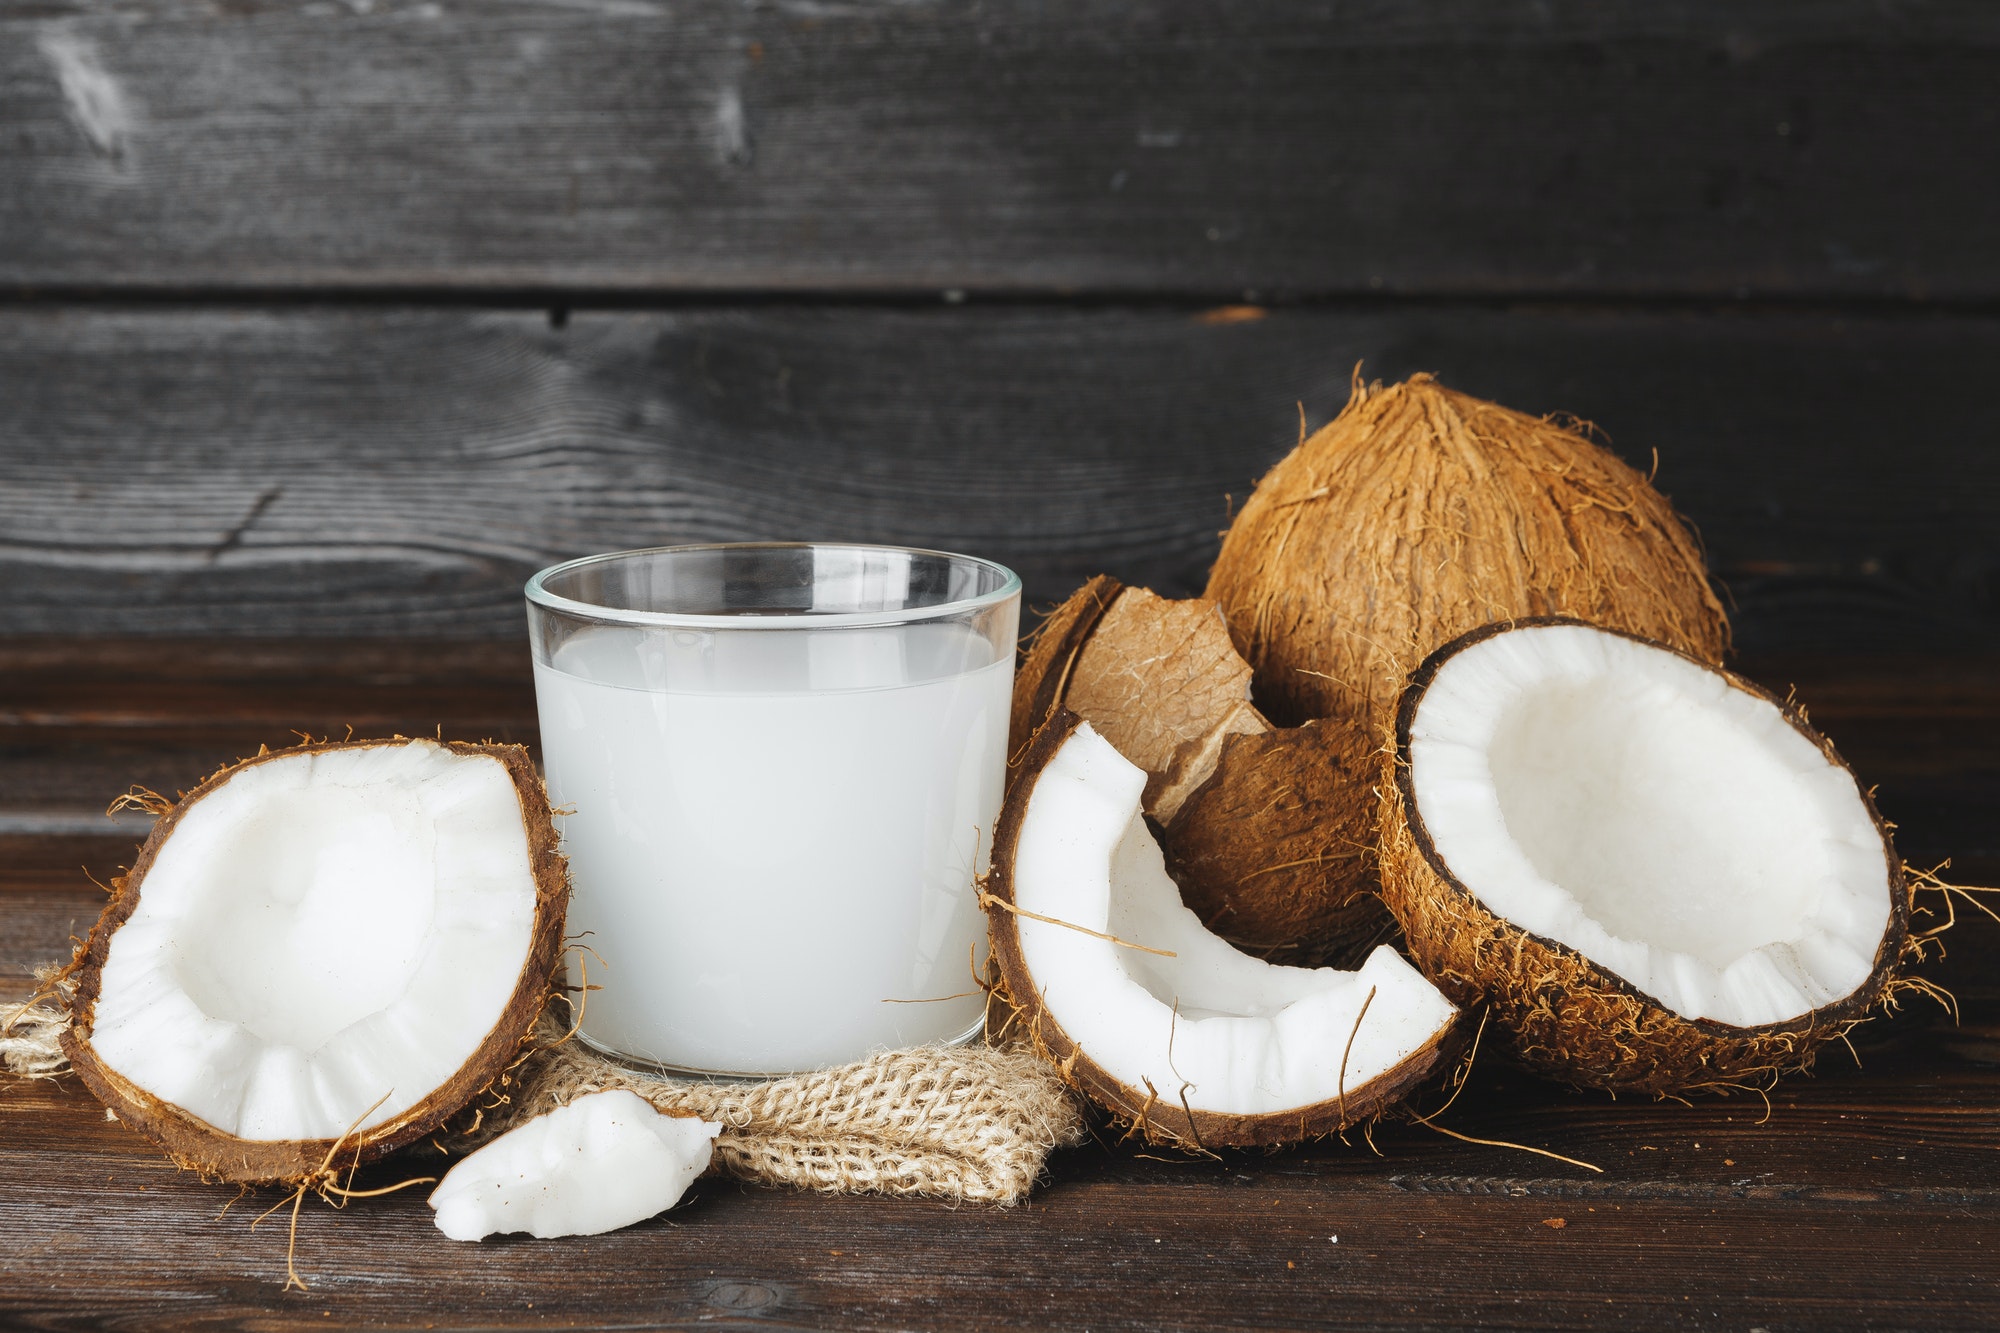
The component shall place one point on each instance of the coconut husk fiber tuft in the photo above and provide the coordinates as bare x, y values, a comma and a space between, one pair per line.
1257, 823
1420, 513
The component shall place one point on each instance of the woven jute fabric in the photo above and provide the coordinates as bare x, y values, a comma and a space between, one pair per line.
31, 1040
941, 1122
944, 1122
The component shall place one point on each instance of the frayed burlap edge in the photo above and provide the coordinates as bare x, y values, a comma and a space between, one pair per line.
941, 1122
31, 1032
31, 1040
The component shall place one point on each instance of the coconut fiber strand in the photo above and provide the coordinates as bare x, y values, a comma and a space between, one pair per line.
932, 1121
31, 1040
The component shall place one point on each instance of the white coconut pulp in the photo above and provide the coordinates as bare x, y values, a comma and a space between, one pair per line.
1671, 827
602, 1162
322, 932
1233, 1034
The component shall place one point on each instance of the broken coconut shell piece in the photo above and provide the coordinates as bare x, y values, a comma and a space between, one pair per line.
1256, 821
1656, 876
1145, 1011
341, 943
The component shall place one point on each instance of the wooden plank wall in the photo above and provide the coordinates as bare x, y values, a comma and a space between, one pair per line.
339, 318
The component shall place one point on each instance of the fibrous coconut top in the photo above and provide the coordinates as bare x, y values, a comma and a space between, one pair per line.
1653, 815
1420, 513
325, 932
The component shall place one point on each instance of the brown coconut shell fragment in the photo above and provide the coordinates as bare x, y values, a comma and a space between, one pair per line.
1257, 823
1559, 1013
1014, 1010
1042, 680
196, 1145
1266, 851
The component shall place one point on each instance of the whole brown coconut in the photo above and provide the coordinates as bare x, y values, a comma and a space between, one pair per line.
1420, 513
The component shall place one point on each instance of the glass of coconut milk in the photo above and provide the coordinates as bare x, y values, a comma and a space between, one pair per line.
779, 767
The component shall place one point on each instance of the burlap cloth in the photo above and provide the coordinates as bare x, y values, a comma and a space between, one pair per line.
942, 1122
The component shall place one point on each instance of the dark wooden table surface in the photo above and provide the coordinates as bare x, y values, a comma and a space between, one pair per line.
1867, 1196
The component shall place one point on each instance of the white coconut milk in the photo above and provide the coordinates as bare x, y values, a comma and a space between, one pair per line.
773, 836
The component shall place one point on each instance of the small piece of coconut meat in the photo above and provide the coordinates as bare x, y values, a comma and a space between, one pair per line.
604, 1161
1668, 825
1231, 1033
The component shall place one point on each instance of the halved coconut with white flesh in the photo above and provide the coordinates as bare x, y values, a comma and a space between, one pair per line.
1149, 1014
338, 943
604, 1161
1657, 876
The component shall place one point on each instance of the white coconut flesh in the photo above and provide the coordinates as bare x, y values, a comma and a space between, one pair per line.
1643, 810
604, 1161
322, 932
1233, 1034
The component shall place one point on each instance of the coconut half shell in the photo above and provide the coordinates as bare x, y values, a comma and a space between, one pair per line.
1153, 1017
1654, 875
337, 943
1258, 823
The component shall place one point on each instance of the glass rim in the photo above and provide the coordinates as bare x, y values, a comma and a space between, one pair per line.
538, 592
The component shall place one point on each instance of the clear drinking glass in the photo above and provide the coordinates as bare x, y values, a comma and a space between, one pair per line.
780, 765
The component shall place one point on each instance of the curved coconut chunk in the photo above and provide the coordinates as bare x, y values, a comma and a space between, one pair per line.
1229, 1033
604, 1161
323, 930
1641, 809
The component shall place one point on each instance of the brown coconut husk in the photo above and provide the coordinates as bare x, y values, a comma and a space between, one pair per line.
195, 1145
1420, 513
1564, 1016
1155, 1116
1255, 821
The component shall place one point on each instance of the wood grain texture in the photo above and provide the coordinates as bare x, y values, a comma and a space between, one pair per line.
667, 146
1235, 1248
1867, 1196
305, 470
